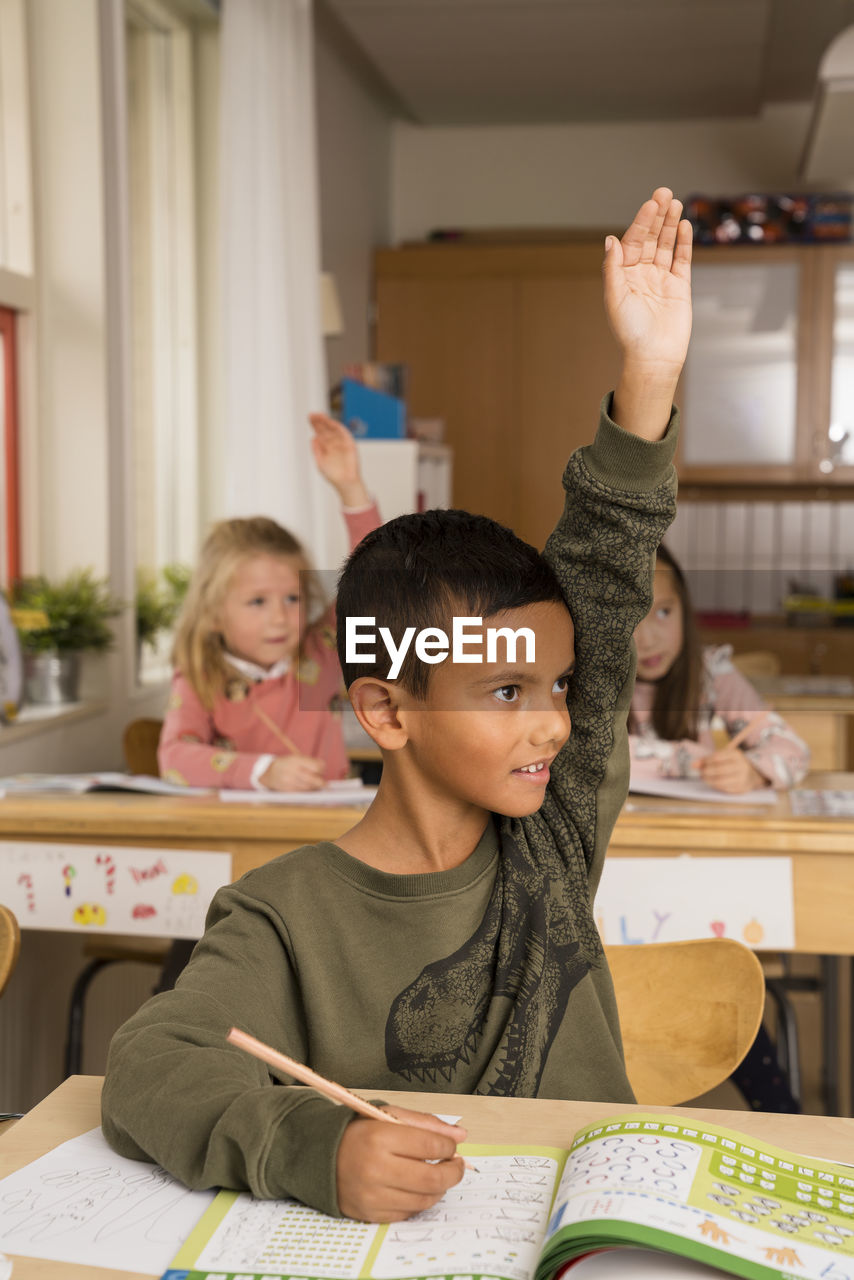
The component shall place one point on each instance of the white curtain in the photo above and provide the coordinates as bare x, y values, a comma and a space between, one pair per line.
273, 357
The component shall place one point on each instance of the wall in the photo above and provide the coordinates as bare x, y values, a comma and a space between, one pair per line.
354, 127
587, 175
595, 175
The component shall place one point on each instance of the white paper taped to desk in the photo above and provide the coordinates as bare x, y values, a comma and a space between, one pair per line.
672, 899
159, 893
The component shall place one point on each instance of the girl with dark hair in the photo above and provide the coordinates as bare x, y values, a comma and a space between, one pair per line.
682, 686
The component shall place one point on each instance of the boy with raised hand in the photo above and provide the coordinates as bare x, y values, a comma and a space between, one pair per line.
447, 939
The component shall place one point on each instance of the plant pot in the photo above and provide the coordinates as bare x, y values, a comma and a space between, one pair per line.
51, 678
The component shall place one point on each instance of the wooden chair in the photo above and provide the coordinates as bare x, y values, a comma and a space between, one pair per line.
139, 744
689, 1012
10, 946
10, 949
757, 662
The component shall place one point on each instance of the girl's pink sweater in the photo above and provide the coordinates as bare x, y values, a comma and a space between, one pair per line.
772, 747
219, 748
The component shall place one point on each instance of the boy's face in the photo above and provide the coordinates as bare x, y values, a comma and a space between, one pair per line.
487, 732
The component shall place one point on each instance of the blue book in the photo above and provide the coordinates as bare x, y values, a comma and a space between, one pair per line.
372, 415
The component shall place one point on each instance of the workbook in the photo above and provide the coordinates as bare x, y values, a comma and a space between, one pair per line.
709, 1196
79, 783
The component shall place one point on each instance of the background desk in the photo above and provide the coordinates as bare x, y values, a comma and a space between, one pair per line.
251, 833
821, 849
74, 1107
820, 709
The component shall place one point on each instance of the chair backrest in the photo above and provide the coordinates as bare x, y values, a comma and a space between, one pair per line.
139, 745
10, 945
757, 662
689, 1011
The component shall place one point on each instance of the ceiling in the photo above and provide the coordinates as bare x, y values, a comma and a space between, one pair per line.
454, 62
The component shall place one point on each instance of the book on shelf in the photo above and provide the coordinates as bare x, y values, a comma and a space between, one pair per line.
703, 1198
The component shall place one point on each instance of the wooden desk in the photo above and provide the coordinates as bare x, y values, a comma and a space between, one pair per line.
821, 849
820, 709
74, 1107
251, 833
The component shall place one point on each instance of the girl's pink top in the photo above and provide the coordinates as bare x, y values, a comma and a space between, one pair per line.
222, 747
772, 747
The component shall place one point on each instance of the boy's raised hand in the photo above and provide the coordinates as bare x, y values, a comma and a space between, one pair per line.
382, 1171
337, 459
647, 282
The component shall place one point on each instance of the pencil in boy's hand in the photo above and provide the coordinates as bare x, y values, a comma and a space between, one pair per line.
335, 1092
274, 728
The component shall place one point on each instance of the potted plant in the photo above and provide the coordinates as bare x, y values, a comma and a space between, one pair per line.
157, 604
57, 621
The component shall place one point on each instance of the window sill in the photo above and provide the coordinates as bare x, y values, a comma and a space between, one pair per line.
34, 719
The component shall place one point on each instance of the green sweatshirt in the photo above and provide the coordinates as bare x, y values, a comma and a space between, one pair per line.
488, 978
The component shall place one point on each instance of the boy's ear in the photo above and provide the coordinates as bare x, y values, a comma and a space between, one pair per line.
375, 703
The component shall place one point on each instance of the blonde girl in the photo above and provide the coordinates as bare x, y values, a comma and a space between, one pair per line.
256, 670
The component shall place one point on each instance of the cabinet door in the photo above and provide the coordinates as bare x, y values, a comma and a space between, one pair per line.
833, 440
746, 386
456, 336
567, 361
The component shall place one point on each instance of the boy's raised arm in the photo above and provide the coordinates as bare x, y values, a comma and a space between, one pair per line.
647, 284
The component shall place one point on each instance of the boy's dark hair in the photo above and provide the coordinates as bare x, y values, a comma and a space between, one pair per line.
422, 570
676, 704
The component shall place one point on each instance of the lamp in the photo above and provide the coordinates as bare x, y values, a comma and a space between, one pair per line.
330, 306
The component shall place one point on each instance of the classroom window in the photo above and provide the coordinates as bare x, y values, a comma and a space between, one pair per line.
10, 532
161, 149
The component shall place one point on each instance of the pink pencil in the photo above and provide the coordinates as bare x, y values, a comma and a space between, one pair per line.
335, 1092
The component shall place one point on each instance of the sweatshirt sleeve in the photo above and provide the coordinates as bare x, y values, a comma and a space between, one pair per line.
771, 746
177, 1093
620, 499
189, 753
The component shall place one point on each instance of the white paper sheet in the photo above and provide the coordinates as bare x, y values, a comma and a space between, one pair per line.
642, 1264
822, 804
335, 795
670, 899
80, 783
694, 789
156, 893
82, 1203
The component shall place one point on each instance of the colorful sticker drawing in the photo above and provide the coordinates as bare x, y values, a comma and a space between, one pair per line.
185, 883
106, 861
642, 900
27, 881
144, 891
89, 913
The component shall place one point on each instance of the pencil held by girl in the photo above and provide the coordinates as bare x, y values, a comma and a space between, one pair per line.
256, 670
693, 714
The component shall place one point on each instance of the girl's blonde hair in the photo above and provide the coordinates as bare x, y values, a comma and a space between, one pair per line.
198, 652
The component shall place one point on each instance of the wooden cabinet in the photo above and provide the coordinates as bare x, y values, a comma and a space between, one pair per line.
509, 344
511, 347
768, 388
